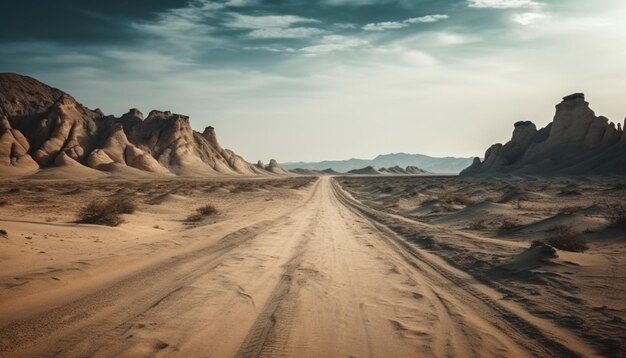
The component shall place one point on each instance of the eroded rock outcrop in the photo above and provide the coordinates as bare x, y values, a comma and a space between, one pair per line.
274, 167
42, 127
577, 142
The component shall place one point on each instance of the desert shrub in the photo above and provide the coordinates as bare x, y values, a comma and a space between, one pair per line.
616, 214
478, 225
243, 188
570, 209
509, 195
3, 203
455, 198
195, 217
299, 185
570, 192
101, 213
3, 233
508, 225
563, 237
207, 210
123, 205
202, 212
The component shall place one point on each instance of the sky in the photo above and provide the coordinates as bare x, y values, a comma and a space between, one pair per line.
309, 80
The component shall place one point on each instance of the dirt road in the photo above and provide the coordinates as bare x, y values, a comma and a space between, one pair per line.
324, 280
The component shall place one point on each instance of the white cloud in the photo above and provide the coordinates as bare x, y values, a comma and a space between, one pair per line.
286, 33
382, 26
239, 21
269, 49
332, 43
186, 26
504, 4
529, 18
392, 25
346, 26
238, 3
274, 26
428, 18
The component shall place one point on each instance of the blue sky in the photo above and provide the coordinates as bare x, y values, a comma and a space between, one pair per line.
329, 79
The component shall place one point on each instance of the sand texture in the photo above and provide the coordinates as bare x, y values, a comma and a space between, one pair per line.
297, 267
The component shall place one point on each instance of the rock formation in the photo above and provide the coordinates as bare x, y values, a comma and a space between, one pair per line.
397, 170
42, 127
413, 170
369, 170
577, 142
274, 167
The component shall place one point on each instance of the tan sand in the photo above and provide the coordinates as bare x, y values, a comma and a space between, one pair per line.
289, 267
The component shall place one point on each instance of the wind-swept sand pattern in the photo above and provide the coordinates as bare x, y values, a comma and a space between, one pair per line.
318, 275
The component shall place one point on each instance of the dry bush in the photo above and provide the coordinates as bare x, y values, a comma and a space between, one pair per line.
101, 213
123, 205
4, 233
508, 196
619, 186
616, 214
508, 225
563, 237
451, 197
570, 209
207, 210
478, 225
570, 192
3, 203
202, 212
302, 182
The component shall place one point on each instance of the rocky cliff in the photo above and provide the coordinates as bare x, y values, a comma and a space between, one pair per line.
43, 127
577, 142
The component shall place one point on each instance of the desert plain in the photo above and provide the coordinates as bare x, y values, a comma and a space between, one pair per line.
314, 266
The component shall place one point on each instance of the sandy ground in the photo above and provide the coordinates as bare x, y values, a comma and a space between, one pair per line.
293, 267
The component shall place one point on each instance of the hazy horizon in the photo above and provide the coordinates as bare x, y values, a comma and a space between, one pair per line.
329, 79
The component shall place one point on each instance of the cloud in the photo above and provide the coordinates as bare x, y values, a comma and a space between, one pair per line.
332, 43
185, 26
426, 19
286, 33
386, 25
274, 26
269, 48
239, 21
240, 3
504, 4
529, 18
392, 25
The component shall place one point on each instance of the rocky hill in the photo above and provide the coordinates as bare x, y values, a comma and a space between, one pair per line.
577, 142
369, 170
44, 127
395, 170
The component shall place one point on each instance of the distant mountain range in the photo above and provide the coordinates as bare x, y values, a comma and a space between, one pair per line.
445, 165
